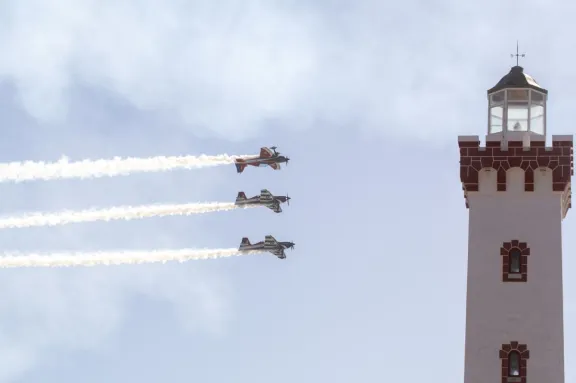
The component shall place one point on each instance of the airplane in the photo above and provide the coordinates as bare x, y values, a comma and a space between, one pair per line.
269, 244
268, 157
265, 199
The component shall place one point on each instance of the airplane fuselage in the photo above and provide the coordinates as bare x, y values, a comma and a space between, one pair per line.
253, 246
258, 201
248, 201
269, 244
264, 246
267, 157
272, 203
259, 161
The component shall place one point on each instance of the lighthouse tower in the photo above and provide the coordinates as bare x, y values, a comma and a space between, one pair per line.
517, 190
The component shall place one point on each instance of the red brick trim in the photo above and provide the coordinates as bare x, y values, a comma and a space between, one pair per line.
505, 250
558, 158
524, 354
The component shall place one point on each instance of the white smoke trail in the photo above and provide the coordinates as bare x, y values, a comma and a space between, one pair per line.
8, 260
114, 213
29, 170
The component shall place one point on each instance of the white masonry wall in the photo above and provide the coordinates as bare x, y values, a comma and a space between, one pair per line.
500, 312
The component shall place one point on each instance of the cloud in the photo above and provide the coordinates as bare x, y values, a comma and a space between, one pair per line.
47, 311
81, 308
195, 60
229, 67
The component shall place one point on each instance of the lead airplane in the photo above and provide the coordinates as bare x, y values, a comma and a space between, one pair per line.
269, 244
268, 157
265, 199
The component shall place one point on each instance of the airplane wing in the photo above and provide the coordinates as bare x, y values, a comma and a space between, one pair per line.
275, 207
265, 195
275, 166
279, 253
265, 153
270, 241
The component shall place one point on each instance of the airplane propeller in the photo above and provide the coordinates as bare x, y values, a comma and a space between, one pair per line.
287, 159
287, 199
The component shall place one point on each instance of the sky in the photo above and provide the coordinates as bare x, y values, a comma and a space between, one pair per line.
366, 97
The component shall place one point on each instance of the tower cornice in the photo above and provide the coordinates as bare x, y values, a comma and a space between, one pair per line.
528, 156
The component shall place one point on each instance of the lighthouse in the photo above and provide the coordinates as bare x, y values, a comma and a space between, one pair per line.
517, 192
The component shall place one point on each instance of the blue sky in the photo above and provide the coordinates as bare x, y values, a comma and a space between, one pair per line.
366, 97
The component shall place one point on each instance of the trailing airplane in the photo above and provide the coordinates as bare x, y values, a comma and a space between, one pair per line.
269, 244
264, 199
268, 157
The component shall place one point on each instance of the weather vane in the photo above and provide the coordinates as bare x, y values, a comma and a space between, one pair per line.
518, 55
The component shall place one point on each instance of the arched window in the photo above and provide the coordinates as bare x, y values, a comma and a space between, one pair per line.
514, 364
514, 261
514, 357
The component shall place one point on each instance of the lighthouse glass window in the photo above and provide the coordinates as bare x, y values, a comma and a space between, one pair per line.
514, 259
496, 118
518, 106
514, 364
496, 112
537, 112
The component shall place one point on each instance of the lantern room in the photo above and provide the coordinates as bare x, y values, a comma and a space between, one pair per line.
517, 104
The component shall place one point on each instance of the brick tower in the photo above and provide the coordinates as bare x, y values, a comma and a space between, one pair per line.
517, 191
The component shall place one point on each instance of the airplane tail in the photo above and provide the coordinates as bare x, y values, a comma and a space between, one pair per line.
241, 197
245, 242
240, 165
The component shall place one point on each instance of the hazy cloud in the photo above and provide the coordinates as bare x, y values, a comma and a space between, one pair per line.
81, 308
45, 311
230, 66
